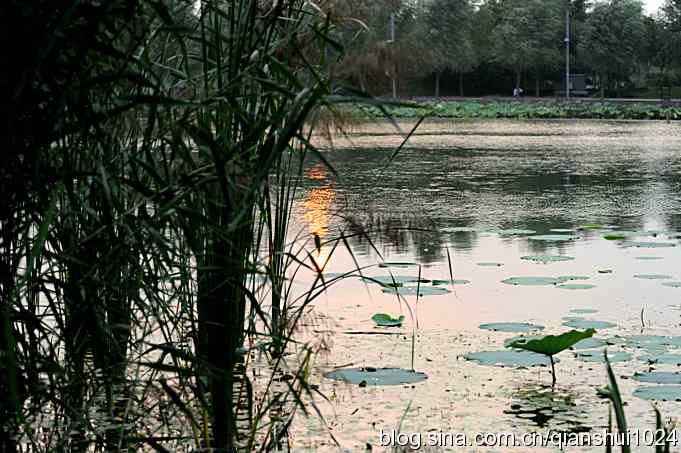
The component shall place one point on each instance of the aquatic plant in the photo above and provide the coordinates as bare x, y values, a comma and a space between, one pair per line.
551, 345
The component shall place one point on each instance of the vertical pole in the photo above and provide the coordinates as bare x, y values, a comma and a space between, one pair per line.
567, 50
392, 41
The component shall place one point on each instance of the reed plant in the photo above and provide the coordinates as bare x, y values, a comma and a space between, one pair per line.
154, 149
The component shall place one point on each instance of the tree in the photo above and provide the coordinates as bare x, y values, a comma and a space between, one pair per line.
448, 33
613, 35
528, 37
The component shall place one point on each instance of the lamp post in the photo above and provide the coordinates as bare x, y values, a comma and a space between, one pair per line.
567, 50
392, 42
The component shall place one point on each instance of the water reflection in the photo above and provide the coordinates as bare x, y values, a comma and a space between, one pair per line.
317, 205
543, 175
545, 407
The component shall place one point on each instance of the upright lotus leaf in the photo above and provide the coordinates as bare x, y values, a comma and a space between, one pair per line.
385, 320
551, 345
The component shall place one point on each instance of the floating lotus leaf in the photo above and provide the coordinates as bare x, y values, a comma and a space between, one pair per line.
591, 226
553, 237
652, 245
571, 318
509, 358
451, 282
589, 324
590, 343
615, 237
335, 275
653, 276
531, 281
511, 326
584, 311
397, 264
644, 341
669, 359
567, 278
659, 392
546, 258
385, 320
575, 286
553, 344
649, 258
659, 377
672, 284
490, 264
515, 232
423, 291
392, 280
376, 376
597, 356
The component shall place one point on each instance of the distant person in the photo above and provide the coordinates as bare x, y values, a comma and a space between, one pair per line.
516, 92
520, 91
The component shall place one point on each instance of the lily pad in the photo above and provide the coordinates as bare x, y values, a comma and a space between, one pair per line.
645, 341
511, 326
575, 286
553, 344
451, 282
423, 291
531, 281
659, 377
652, 245
668, 359
490, 264
649, 258
615, 237
509, 358
515, 232
392, 280
376, 376
396, 264
591, 226
546, 258
672, 284
659, 392
653, 276
590, 343
567, 278
554, 237
589, 324
597, 356
385, 320
584, 311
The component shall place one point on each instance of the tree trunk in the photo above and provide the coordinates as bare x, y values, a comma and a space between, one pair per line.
517, 79
537, 85
602, 81
437, 84
461, 84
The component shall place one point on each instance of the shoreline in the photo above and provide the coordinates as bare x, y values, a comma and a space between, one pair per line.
525, 108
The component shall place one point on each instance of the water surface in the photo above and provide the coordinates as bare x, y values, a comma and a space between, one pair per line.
484, 176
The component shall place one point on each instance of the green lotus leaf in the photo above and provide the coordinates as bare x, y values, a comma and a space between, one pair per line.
553, 344
385, 320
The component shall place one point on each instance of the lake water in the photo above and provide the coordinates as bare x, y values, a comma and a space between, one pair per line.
447, 201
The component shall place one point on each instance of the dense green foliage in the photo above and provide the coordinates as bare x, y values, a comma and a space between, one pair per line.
492, 46
540, 110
